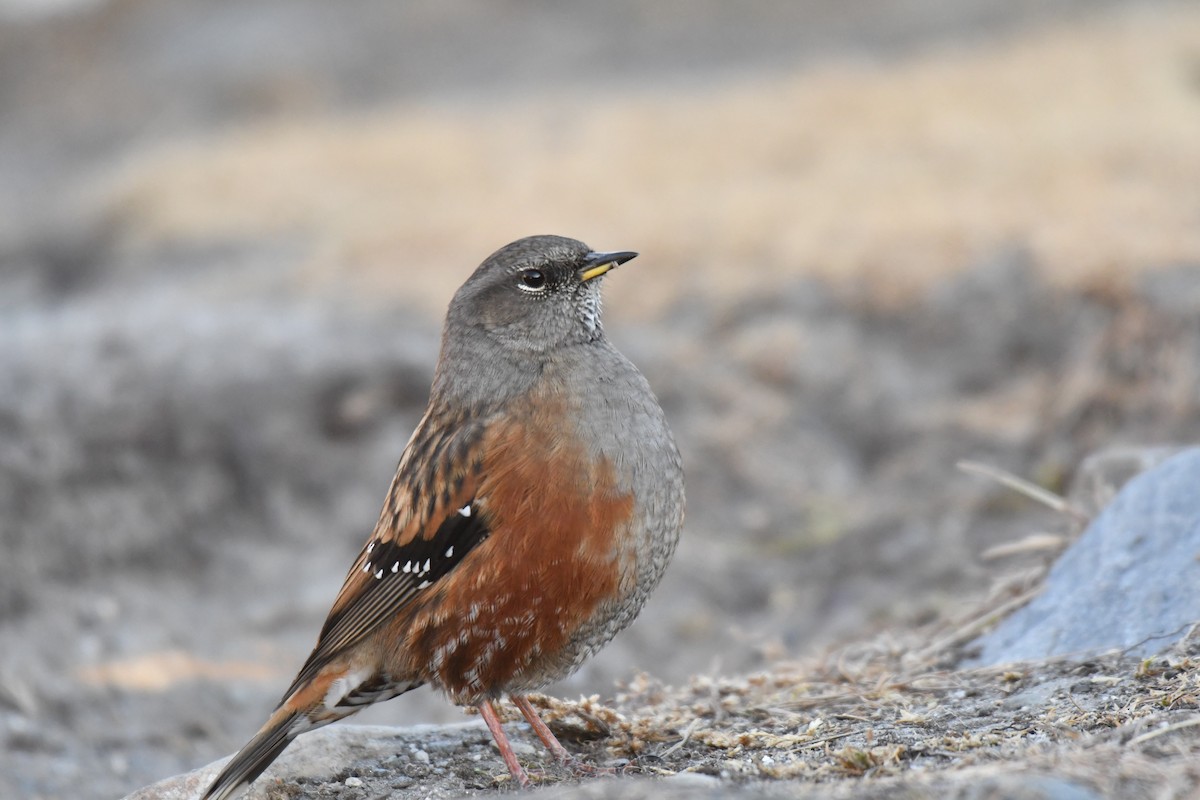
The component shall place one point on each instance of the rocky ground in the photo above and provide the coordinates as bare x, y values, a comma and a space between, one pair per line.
222, 266
874, 720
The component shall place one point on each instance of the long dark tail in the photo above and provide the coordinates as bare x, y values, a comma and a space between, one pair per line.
259, 752
305, 708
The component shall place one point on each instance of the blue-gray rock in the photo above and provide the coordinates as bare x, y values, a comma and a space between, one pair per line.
1131, 582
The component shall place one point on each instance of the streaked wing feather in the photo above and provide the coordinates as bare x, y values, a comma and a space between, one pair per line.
419, 526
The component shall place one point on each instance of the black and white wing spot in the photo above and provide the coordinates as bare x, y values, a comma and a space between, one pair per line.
398, 571
428, 560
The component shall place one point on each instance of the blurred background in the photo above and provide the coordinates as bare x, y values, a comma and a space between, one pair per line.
876, 237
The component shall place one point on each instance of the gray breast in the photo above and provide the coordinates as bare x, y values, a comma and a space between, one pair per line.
615, 411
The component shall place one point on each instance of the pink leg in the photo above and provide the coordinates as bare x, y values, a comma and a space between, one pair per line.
544, 733
488, 712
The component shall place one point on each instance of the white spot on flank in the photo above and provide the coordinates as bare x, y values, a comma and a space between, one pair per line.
449, 551
342, 687
367, 567
379, 574
422, 584
301, 725
465, 510
370, 547
408, 567
335, 693
426, 567
395, 567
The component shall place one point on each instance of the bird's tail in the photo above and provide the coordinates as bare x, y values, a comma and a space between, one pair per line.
283, 726
312, 702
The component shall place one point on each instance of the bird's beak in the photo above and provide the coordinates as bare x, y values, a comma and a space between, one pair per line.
596, 264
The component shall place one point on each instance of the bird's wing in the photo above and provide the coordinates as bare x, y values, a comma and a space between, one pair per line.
429, 523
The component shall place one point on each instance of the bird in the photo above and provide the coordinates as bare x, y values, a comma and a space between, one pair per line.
533, 511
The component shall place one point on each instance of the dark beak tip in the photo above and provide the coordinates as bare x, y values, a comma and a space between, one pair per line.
617, 257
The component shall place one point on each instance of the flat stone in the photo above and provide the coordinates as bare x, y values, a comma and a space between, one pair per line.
318, 756
1131, 581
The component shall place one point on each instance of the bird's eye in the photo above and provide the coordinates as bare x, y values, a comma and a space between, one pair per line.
533, 280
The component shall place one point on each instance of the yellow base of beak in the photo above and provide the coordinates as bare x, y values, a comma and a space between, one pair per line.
596, 272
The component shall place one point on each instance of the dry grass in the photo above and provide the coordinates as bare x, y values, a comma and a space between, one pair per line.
1079, 143
1120, 725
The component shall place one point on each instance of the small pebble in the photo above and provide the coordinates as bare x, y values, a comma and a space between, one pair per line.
695, 780
524, 749
421, 756
354, 783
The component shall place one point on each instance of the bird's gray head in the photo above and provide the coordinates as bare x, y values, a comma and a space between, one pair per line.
535, 295
525, 303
